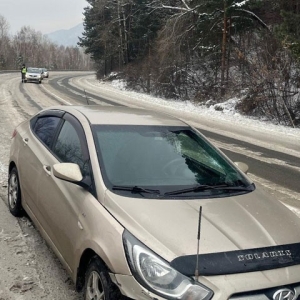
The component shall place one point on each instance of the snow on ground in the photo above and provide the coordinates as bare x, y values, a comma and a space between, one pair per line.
3, 174
228, 112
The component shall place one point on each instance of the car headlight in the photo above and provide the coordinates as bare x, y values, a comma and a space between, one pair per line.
158, 276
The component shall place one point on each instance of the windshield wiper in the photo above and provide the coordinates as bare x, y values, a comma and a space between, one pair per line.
135, 189
203, 187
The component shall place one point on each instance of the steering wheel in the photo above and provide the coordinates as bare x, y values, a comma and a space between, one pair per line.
174, 167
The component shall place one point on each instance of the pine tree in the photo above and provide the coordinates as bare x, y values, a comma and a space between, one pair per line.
289, 29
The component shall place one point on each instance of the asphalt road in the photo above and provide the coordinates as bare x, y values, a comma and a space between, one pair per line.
29, 269
286, 174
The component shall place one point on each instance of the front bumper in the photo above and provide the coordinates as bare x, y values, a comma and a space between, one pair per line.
33, 79
131, 288
244, 286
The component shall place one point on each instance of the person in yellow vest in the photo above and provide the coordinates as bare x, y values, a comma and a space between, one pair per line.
23, 72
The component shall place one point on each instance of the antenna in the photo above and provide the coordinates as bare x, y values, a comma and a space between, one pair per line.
87, 100
198, 244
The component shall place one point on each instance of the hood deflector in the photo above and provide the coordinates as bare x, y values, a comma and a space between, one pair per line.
239, 261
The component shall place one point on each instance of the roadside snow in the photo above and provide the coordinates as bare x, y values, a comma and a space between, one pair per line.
221, 111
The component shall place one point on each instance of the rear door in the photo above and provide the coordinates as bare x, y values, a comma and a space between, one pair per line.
37, 141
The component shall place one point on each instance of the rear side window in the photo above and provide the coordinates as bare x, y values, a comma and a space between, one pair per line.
45, 129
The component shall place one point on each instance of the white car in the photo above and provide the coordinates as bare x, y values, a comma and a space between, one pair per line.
45, 73
33, 75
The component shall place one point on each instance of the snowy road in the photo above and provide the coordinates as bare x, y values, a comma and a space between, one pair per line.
29, 270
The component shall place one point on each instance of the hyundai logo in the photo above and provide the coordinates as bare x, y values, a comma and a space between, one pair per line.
284, 294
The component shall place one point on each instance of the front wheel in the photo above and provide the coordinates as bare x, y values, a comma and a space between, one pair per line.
98, 285
14, 193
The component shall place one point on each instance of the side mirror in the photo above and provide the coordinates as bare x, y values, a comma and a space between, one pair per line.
71, 172
68, 172
242, 166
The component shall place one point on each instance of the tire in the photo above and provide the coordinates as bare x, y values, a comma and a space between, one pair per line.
14, 194
98, 285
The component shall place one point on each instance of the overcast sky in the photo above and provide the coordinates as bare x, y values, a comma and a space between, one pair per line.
46, 16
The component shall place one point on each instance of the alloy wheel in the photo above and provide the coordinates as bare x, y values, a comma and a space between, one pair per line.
94, 290
13, 190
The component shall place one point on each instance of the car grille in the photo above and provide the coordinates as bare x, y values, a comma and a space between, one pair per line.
277, 293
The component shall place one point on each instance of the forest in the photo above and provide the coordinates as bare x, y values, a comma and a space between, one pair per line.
36, 50
204, 51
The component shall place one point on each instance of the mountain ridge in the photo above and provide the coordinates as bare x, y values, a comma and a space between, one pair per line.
67, 37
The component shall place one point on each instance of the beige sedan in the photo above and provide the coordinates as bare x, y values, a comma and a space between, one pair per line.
139, 204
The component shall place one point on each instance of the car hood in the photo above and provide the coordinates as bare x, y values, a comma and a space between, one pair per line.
32, 74
170, 227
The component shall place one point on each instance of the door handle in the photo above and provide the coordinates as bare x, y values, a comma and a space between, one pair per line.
47, 169
25, 140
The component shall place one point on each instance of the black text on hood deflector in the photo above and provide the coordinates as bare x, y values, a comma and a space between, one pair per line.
239, 261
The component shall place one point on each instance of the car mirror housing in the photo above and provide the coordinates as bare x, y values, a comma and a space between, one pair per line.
68, 172
242, 166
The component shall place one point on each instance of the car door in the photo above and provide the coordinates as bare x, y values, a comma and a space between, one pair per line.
60, 202
36, 143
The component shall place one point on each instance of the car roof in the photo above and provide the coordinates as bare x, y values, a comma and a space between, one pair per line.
121, 115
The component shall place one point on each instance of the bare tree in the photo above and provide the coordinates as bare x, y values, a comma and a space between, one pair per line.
35, 49
4, 42
272, 81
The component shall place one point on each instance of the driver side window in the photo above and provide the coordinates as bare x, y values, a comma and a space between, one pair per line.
68, 147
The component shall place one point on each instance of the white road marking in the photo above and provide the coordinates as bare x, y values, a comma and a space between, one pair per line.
289, 198
57, 97
255, 155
